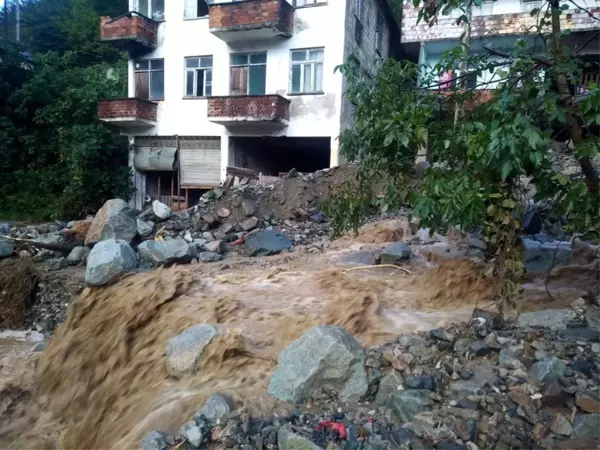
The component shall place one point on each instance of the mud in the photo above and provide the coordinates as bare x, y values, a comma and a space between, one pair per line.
18, 282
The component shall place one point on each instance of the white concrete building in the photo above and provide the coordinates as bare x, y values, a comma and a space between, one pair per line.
243, 87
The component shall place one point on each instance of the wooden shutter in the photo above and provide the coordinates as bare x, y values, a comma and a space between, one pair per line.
191, 9
239, 81
142, 85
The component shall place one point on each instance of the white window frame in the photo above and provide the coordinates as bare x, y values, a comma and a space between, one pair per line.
190, 10
195, 70
313, 63
308, 3
248, 64
530, 5
149, 70
149, 12
487, 9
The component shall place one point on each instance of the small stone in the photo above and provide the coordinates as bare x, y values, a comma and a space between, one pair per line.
215, 246
161, 210
560, 425
596, 347
466, 403
410, 340
466, 429
552, 393
216, 407
249, 224
248, 207
520, 398
194, 435
184, 352
466, 374
404, 405
288, 440
510, 359
395, 253
421, 382
155, 440
420, 350
208, 257
58, 264
318, 218
478, 348
223, 213
441, 334
388, 385
588, 401
539, 432
462, 345
550, 367
586, 426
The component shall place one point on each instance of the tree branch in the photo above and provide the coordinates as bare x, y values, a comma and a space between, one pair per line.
584, 10
544, 61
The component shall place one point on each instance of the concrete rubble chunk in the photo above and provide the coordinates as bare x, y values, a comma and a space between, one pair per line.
555, 319
249, 224
160, 253
248, 207
7, 248
215, 246
155, 440
267, 242
324, 357
78, 254
184, 351
223, 213
405, 405
161, 210
113, 221
216, 407
108, 261
143, 228
209, 257
288, 440
395, 253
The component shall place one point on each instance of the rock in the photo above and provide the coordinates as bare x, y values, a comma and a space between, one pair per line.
482, 375
580, 334
441, 334
462, 345
210, 219
24, 254
588, 401
160, 253
420, 350
288, 440
216, 407
265, 243
555, 319
420, 382
324, 357
143, 228
318, 218
478, 348
592, 317
389, 384
586, 426
112, 221
424, 235
249, 224
209, 257
404, 405
184, 351
248, 207
155, 440
538, 257
550, 367
215, 246
477, 243
223, 213
410, 340
466, 429
58, 264
560, 425
552, 393
78, 254
395, 253
585, 366
161, 210
510, 359
5, 228
6, 248
108, 261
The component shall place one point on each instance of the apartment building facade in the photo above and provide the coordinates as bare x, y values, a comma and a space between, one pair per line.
246, 87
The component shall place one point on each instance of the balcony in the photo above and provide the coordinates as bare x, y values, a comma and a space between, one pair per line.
251, 20
128, 113
272, 110
131, 32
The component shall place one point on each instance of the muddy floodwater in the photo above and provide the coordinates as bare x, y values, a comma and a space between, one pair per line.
102, 383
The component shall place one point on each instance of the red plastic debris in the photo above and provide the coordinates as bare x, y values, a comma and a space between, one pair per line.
336, 426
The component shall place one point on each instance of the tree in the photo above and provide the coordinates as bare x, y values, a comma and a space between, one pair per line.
482, 154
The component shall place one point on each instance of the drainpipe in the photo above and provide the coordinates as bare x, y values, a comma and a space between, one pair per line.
178, 173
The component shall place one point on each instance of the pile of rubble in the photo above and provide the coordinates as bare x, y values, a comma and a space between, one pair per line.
532, 382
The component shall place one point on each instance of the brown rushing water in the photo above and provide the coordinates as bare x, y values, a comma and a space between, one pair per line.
102, 382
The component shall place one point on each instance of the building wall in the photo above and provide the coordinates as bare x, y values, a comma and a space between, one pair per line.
508, 17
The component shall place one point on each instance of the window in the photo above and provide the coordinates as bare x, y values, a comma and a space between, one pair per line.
530, 5
301, 3
357, 30
195, 8
307, 71
379, 34
248, 74
198, 76
486, 9
150, 79
155, 9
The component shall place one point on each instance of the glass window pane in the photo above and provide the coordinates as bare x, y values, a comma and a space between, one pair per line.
202, 8
157, 85
258, 80
209, 76
296, 78
189, 83
206, 61
307, 78
157, 64
141, 65
142, 7
158, 9
208, 90
260, 58
316, 55
239, 60
199, 83
319, 77
191, 62
299, 55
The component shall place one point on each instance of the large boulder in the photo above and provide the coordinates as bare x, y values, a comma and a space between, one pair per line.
113, 221
216, 407
78, 254
555, 319
160, 253
405, 405
586, 426
268, 242
7, 248
288, 440
323, 357
161, 210
539, 257
108, 261
395, 253
184, 352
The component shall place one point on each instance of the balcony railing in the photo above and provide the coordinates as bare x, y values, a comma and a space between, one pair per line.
128, 112
238, 110
251, 20
132, 32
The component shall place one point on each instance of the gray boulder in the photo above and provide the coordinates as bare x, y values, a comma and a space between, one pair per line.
267, 242
209, 257
161, 210
112, 221
216, 407
388, 385
108, 261
78, 254
155, 440
405, 405
548, 368
288, 440
7, 248
144, 228
555, 319
215, 246
586, 426
248, 207
539, 257
5, 228
395, 253
58, 264
323, 357
184, 351
249, 224
592, 317
160, 253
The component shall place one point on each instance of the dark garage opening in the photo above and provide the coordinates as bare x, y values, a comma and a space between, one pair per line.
275, 155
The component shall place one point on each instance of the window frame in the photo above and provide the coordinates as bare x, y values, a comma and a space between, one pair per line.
196, 17
306, 4
532, 4
150, 11
195, 70
149, 71
313, 63
248, 65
